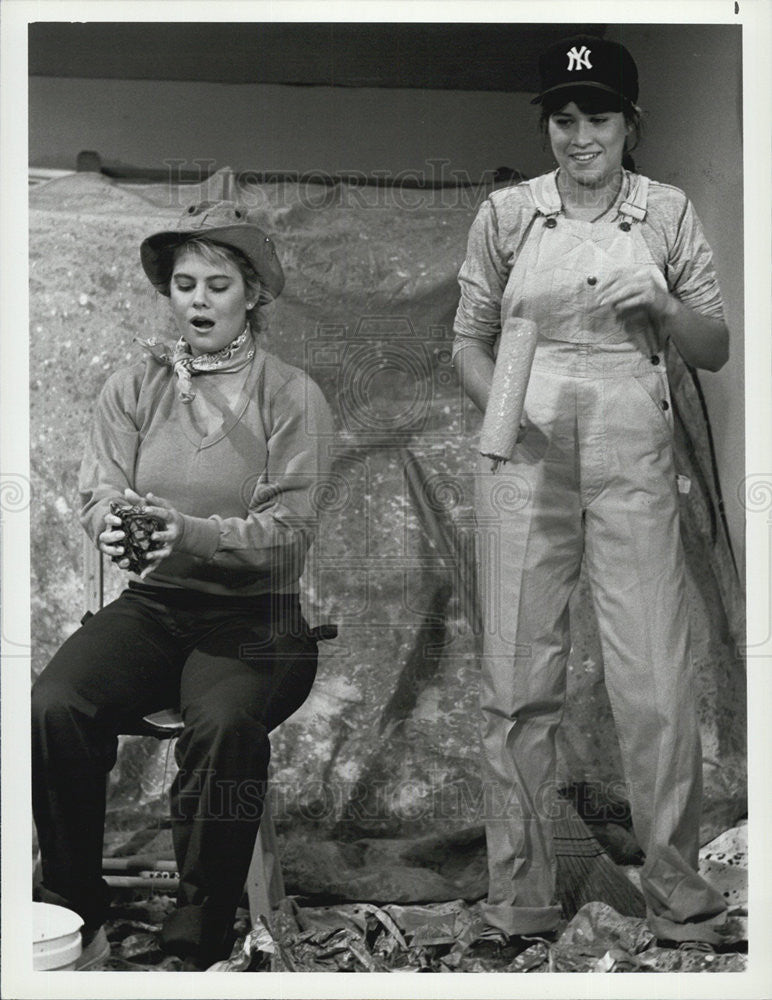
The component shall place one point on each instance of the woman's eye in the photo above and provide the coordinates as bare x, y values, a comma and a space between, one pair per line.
218, 288
181, 287
598, 121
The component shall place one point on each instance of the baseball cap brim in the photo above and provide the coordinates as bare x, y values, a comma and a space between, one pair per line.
577, 86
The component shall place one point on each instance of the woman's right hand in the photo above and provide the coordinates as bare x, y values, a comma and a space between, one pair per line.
109, 541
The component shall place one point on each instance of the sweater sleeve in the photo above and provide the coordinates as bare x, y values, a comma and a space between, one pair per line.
691, 275
482, 278
108, 463
283, 510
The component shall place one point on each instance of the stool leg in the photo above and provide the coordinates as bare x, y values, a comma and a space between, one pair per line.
265, 885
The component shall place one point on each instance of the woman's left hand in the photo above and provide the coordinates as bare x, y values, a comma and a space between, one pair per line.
636, 291
162, 509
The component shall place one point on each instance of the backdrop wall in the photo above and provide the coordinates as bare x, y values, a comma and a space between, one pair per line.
691, 93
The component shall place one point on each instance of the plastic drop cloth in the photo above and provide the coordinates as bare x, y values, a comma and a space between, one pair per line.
384, 748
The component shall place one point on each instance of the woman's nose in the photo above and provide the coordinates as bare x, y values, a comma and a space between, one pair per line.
582, 133
200, 297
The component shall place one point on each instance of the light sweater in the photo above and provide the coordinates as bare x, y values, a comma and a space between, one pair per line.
671, 229
246, 489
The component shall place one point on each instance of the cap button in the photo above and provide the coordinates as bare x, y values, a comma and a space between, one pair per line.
550, 223
592, 280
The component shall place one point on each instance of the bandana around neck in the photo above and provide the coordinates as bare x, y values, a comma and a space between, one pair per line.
231, 358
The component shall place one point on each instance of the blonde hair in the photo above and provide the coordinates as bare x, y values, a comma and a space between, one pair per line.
217, 253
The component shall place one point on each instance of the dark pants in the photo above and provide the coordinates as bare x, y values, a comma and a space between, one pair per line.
237, 667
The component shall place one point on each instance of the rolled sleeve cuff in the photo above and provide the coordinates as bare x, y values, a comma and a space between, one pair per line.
513, 920
200, 537
464, 340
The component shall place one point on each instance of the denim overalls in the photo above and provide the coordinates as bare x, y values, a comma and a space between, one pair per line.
592, 478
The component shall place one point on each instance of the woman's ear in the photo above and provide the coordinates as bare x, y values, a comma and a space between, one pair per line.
254, 290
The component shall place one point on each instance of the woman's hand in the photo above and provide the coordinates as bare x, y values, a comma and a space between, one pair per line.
702, 341
168, 537
109, 541
635, 291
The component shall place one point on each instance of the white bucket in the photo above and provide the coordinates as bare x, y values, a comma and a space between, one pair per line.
56, 942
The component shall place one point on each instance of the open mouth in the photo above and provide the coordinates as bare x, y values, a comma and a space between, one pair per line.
584, 157
202, 324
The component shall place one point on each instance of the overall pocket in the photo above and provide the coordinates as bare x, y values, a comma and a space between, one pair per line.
654, 389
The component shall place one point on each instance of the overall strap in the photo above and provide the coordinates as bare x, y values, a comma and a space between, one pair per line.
544, 191
633, 208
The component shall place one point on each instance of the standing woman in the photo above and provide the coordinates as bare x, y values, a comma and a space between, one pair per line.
610, 266
226, 446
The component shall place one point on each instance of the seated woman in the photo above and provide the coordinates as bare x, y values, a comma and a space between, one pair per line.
225, 445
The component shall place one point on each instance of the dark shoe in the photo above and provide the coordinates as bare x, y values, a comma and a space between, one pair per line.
195, 935
732, 946
494, 945
191, 965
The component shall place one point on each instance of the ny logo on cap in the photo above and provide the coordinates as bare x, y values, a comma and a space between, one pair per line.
579, 59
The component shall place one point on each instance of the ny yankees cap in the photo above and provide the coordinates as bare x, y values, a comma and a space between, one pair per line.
587, 61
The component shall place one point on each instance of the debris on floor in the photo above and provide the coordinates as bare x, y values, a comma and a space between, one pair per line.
724, 863
439, 936
363, 937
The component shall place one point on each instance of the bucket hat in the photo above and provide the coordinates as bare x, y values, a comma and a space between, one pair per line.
226, 223
588, 61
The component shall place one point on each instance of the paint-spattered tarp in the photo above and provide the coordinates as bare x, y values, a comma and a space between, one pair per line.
381, 762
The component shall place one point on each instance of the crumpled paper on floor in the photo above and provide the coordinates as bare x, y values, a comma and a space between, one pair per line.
724, 863
363, 937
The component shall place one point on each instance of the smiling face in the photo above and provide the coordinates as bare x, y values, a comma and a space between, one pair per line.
209, 301
588, 147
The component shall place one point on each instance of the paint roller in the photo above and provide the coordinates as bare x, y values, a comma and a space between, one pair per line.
501, 424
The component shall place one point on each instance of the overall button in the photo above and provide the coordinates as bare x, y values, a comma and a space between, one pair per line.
665, 405
625, 227
592, 280
550, 223
655, 359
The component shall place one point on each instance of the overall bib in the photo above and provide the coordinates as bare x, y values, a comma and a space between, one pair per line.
592, 479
